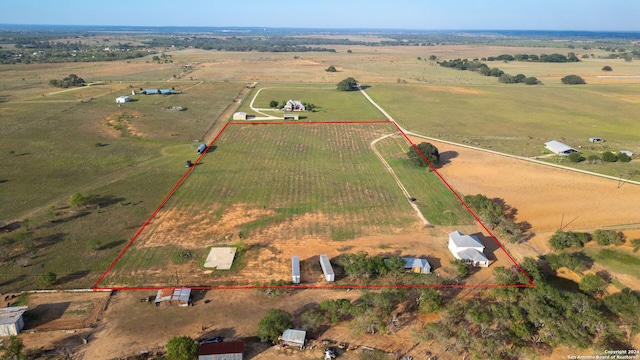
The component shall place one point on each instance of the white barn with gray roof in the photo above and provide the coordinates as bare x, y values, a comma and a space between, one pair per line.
11, 321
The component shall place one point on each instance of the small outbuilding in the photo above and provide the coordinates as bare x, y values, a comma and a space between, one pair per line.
240, 115
201, 148
122, 99
295, 270
325, 264
559, 148
626, 152
420, 266
596, 140
291, 116
180, 297
293, 337
232, 350
468, 249
11, 321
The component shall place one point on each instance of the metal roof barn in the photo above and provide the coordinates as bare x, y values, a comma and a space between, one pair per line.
11, 321
416, 265
559, 148
329, 275
178, 296
295, 270
232, 350
293, 337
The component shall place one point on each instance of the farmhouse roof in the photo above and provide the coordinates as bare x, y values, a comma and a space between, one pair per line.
472, 254
558, 147
220, 348
10, 315
464, 241
294, 336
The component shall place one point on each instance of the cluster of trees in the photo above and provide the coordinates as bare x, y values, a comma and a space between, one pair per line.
70, 81
515, 322
363, 266
484, 69
561, 240
607, 156
424, 155
571, 261
497, 216
348, 84
244, 43
556, 58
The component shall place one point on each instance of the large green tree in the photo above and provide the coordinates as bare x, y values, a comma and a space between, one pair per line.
424, 152
273, 324
182, 348
572, 80
348, 84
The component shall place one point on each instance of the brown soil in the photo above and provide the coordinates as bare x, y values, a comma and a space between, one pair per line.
111, 121
547, 198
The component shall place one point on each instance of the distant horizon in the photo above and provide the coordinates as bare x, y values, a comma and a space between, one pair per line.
240, 27
427, 15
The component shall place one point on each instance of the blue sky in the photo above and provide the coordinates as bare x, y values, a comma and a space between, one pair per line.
599, 15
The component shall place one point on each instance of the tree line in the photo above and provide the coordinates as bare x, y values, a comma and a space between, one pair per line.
484, 69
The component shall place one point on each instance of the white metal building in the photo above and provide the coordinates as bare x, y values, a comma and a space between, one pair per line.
11, 321
468, 249
295, 270
122, 99
329, 275
559, 148
416, 265
293, 337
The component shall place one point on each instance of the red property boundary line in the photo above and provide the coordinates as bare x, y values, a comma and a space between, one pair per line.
247, 287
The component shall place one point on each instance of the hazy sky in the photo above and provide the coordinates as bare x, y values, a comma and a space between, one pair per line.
389, 14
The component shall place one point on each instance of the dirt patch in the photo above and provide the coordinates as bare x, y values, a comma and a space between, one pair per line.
119, 124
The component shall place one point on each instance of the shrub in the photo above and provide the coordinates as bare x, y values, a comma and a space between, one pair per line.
576, 157
594, 159
573, 80
531, 81
607, 68
47, 279
608, 156
606, 237
182, 348
622, 157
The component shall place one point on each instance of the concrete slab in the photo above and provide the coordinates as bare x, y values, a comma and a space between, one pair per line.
220, 258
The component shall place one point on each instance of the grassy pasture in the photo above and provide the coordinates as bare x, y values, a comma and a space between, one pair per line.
519, 119
297, 180
618, 261
331, 104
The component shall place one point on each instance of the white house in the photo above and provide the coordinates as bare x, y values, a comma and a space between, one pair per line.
468, 249
416, 265
294, 105
559, 148
122, 99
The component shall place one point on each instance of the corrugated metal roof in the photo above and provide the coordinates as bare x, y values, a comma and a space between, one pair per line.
177, 294
558, 147
231, 347
464, 241
10, 315
472, 254
294, 336
415, 262
326, 265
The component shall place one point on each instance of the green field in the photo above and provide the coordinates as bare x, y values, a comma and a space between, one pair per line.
616, 260
331, 104
283, 173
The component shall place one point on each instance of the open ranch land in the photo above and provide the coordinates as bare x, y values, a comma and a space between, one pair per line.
274, 191
550, 199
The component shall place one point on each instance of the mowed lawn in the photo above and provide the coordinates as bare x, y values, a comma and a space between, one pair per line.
330, 103
258, 178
